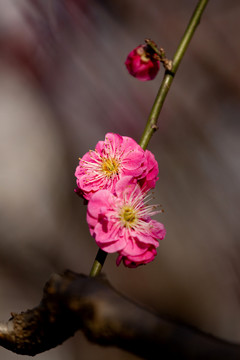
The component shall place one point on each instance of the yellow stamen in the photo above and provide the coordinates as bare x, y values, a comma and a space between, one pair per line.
110, 167
128, 216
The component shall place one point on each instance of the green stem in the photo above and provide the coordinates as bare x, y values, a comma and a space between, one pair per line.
98, 263
151, 125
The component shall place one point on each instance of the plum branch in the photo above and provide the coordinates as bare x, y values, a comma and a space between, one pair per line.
74, 302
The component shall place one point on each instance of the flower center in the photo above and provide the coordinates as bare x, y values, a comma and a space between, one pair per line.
110, 167
128, 216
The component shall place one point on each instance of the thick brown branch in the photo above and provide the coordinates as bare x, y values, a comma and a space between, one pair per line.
72, 301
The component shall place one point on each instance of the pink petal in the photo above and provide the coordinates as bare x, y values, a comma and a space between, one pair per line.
100, 202
107, 242
111, 247
134, 248
147, 239
126, 183
158, 229
116, 140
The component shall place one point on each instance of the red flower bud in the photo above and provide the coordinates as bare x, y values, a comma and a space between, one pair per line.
142, 63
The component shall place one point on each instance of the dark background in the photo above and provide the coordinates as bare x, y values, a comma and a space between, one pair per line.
63, 86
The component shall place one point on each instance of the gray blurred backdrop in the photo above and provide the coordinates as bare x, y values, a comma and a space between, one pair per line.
63, 86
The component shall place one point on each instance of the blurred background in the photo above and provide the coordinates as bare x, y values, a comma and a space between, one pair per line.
63, 86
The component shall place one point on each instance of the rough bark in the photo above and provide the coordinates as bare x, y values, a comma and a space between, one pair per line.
74, 302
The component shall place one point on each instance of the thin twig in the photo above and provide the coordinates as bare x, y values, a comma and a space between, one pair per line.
169, 75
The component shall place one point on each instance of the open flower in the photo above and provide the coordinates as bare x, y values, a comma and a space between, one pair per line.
142, 63
122, 223
114, 158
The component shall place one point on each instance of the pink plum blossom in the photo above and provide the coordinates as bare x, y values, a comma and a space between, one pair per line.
122, 223
142, 63
115, 157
